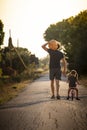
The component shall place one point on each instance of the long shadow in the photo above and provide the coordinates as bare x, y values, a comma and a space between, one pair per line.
36, 102
24, 104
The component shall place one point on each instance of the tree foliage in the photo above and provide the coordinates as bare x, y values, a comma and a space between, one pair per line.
11, 59
72, 33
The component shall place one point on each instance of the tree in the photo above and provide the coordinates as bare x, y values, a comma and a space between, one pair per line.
72, 33
17, 65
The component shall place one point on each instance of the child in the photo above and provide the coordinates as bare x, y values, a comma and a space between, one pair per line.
73, 81
54, 65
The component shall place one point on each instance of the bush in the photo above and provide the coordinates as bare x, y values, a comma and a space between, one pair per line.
16, 79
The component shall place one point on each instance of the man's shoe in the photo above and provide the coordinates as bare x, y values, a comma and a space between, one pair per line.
77, 98
67, 98
53, 97
58, 97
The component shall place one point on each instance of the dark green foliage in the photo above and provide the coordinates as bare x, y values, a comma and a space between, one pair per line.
11, 60
16, 78
72, 33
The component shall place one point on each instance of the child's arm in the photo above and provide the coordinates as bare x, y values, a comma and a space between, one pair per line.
77, 79
64, 66
44, 46
78, 82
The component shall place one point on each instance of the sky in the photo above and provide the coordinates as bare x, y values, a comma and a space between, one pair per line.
29, 19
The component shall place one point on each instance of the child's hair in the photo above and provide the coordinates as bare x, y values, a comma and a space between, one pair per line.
74, 73
54, 45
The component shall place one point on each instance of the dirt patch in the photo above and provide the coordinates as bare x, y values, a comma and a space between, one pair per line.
9, 91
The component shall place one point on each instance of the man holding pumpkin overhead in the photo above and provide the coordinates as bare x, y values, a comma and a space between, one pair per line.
54, 65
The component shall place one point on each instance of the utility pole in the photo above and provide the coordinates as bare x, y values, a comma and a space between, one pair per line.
17, 43
10, 47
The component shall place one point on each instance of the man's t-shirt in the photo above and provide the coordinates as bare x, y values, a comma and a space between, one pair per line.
55, 57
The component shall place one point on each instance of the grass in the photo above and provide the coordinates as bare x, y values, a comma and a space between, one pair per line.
9, 91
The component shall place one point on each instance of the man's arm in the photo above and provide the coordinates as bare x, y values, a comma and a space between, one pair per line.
44, 46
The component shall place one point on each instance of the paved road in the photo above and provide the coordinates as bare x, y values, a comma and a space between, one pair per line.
33, 109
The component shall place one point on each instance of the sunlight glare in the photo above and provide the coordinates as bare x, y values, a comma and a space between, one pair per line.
28, 19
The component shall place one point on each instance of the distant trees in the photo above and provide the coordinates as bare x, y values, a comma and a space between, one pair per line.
44, 63
72, 33
11, 59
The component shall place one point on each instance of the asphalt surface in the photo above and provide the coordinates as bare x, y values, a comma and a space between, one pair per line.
33, 109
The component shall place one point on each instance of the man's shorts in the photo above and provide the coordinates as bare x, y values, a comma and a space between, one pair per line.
55, 73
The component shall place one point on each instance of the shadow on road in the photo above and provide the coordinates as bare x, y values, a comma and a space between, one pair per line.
36, 102
25, 104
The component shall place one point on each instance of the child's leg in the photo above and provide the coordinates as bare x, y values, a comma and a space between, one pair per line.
68, 93
52, 87
57, 87
77, 94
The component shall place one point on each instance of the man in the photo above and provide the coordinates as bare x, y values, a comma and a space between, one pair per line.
54, 66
